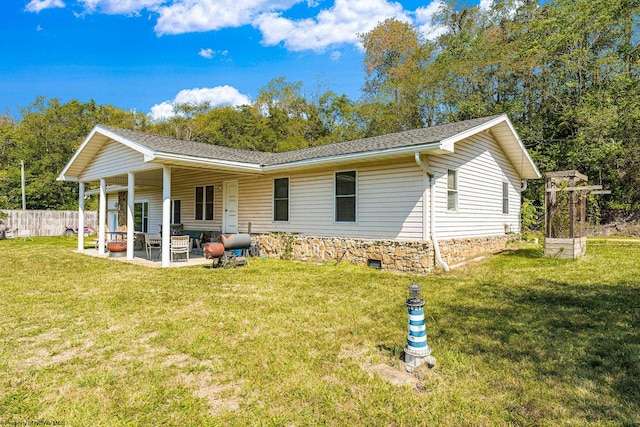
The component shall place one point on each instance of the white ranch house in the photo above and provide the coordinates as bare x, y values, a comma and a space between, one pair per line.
409, 200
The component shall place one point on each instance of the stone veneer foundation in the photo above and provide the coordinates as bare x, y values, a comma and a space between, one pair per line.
406, 256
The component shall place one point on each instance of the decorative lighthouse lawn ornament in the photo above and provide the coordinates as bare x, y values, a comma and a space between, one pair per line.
417, 350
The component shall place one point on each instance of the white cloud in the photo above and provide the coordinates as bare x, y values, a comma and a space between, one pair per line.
335, 55
334, 24
207, 53
424, 20
187, 16
38, 5
162, 111
338, 25
210, 53
120, 7
485, 4
215, 96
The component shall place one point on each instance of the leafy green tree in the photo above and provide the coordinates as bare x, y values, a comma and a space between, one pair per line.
291, 121
45, 139
182, 125
237, 127
340, 117
10, 191
566, 72
394, 53
48, 134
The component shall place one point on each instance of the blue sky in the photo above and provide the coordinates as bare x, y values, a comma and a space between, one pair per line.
147, 54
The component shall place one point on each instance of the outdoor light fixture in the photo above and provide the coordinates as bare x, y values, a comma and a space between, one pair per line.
417, 350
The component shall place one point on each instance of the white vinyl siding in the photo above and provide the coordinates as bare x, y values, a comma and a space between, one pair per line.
115, 159
154, 200
482, 168
183, 186
389, 201
389, 197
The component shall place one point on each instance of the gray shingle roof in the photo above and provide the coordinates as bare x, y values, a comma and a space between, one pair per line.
191, 148
377, 143
383, 142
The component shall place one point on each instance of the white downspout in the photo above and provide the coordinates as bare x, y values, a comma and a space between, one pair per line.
524, 185
432, 209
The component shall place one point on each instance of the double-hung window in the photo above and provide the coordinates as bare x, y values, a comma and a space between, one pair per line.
505, 198
141, 217
281, 199
345, 195
176, 212
452, 190
204, 203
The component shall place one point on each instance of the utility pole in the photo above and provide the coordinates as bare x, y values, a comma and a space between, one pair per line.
24, 199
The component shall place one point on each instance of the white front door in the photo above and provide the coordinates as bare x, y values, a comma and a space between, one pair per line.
230, 215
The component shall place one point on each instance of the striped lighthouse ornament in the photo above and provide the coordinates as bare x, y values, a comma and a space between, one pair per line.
417, 350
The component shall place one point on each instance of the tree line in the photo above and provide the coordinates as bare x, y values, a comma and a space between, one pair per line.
567, 73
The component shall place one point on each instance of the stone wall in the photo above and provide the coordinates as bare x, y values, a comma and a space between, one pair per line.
406, 256
454, 251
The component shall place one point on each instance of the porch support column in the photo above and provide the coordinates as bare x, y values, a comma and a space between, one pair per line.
131, 180
102, 215
166, 215
81, 217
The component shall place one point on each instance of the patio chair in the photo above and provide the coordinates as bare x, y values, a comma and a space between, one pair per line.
180, 245
152, 241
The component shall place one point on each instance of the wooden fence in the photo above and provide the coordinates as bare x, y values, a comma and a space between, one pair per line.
44, 223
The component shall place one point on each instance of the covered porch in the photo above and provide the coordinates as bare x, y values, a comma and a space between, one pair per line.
140, 204
146, 183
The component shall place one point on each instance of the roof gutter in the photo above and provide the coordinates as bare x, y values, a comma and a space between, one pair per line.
221, 164
432, 211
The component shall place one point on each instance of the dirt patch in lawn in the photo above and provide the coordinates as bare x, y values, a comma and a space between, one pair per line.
58, 354
219, 397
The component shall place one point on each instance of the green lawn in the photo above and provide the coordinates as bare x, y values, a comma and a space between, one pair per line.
520, 340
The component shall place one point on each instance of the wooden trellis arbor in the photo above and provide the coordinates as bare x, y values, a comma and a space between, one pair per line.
566, 211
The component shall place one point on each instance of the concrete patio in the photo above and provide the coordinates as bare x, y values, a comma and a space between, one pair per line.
140, 258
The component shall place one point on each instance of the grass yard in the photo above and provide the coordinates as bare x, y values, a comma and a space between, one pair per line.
520, 340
